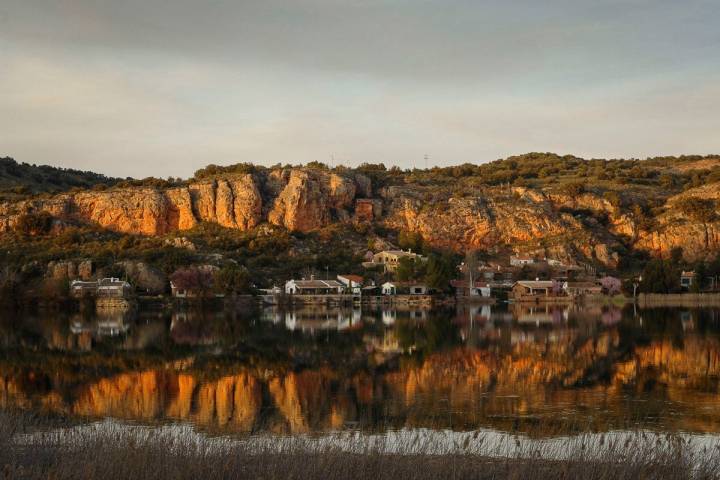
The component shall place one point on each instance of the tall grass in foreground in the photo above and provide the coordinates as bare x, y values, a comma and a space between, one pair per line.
141, 453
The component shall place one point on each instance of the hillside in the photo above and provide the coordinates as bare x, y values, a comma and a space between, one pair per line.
613, 214
23, 178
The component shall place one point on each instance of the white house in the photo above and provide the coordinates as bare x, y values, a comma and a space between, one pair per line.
313, 287
412, 288
463, 288
687, 279
352, 283
521, 260
105, 287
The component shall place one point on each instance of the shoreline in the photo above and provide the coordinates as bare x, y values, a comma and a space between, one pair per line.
110, 449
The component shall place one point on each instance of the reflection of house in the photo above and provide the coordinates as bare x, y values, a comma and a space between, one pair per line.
582, 288
352, 283
313, 287
390, 259
540, 315
105, 287
521, 260
389, 316
687, 279
463, 288
404, 288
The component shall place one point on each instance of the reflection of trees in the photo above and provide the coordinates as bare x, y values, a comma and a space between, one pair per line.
260, 375
436, 333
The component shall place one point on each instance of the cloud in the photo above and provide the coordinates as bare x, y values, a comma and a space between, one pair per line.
145, 87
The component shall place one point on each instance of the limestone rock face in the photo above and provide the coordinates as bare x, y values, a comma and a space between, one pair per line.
247, 203
85, 269
203, 199
62, 270
145, 277
180, 209
299, 205
309, 199
138, 210
700, 240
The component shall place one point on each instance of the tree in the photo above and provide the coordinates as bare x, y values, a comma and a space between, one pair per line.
440, 270
572, 189
408, 269
611, 285
614, 198
34, 224
676, 256
233, 278
698, 209
197, 280
701, 274
471, 266
410, 241
659, 276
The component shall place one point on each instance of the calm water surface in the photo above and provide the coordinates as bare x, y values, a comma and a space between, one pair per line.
546, 371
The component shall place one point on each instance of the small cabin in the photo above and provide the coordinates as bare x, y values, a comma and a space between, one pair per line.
534, 288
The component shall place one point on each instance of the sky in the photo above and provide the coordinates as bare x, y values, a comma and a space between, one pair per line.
162, 88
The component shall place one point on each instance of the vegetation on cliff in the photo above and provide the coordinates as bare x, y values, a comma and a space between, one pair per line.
19, 179
285, 221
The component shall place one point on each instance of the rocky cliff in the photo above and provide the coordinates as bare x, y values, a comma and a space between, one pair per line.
583, 227
298, 199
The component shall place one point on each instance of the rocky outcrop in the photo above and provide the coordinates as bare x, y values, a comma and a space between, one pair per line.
144, 277
311, 201
587, 227
519, 217
298, 199
699, 239
70, 269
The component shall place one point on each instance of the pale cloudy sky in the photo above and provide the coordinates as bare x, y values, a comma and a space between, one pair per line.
151, 87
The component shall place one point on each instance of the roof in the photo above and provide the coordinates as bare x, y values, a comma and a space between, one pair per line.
405, 284
688, 274
317, 283
398, 253
582, 285
104, 282
464, 283
352, 278
522, 257
535, 283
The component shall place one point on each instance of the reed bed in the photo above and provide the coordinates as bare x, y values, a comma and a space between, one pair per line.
33, 448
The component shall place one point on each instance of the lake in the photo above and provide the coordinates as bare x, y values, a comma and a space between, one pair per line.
542, 372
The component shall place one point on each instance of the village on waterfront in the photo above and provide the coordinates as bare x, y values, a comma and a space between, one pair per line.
389, 281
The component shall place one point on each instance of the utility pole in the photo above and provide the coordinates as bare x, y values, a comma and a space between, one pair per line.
426, 157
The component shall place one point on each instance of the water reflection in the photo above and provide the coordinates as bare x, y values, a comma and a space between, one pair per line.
545, 370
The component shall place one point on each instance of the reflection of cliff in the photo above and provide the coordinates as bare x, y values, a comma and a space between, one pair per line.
229, 401
550, 381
